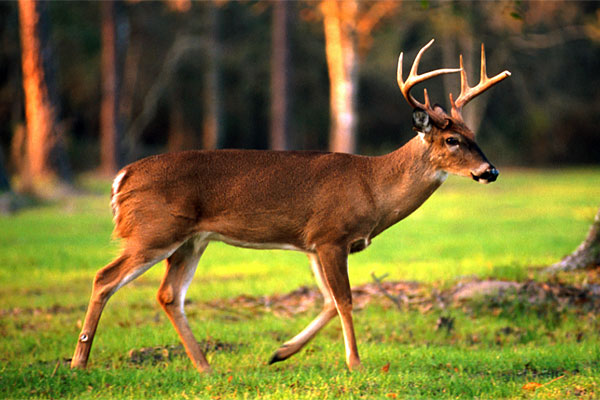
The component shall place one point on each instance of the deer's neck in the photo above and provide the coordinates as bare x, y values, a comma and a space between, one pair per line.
405, 178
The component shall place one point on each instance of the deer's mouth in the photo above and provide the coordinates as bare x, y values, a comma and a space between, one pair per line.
489, 175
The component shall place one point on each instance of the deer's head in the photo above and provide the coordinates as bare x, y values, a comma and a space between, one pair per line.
452, 144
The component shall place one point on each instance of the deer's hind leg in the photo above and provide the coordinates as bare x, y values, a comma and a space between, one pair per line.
329, 311
125, 268
181, 267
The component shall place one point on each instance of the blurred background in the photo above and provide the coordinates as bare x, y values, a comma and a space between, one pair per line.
91, 86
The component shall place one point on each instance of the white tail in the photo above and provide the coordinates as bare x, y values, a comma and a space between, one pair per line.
326, 205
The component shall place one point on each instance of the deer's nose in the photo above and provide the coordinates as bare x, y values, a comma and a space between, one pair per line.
490, 174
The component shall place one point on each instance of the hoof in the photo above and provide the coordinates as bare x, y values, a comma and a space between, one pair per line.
204, 370
355, 366
78, 364
276, 357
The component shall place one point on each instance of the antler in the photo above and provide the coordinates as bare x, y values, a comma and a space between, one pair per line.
468, 93
414, 78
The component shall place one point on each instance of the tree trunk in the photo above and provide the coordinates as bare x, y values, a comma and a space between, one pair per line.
280, 71
162, 86
4, 181
340, 47
212, 130
180, 137
45, 156
587, 255
111, 127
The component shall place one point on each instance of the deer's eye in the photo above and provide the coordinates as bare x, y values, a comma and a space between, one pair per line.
452, 141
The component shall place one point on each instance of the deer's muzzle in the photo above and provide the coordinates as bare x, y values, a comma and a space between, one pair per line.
488, 175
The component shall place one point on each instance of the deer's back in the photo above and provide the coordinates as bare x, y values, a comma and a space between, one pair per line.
245, 195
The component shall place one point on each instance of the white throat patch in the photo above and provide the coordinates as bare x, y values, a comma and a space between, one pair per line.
422, 136
440, 176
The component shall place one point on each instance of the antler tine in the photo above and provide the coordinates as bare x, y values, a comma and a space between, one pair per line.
414, 78
426, 96
468, 93
464, 82
483, 72
413, 70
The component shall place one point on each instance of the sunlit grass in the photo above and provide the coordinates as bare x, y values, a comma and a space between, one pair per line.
49, 255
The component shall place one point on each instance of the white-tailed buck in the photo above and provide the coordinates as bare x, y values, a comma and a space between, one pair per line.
326, 205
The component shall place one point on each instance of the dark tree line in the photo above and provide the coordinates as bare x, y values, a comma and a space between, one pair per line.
127, 79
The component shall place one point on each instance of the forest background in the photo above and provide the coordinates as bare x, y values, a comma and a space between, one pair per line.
128, 79
86, 87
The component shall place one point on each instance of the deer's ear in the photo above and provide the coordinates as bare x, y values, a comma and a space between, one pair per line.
421, 121
439, 109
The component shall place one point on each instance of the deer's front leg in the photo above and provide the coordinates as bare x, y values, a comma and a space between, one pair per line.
334, 260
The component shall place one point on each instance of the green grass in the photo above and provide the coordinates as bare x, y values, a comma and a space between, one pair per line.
529, 218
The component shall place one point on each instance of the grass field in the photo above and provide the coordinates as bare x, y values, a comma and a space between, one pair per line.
497, 349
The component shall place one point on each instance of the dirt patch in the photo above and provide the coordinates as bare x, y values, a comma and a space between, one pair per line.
306, 298
414, 295
159, 354
401, 294
469, 290
52, 310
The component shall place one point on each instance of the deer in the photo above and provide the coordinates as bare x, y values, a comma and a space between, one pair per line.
324, 204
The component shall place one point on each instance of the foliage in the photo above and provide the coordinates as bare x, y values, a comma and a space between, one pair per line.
545, 113
496, 348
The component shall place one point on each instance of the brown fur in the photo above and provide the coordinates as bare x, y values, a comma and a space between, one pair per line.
326, 205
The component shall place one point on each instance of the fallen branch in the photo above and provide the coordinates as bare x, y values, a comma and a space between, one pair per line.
587, 255
397, 300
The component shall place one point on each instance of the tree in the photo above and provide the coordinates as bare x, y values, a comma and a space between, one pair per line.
166, 89
340, 47
587, 253
280, 71
45, 161
9, 201
212, 130
4, 182
348, 25
193, 110
111, 127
